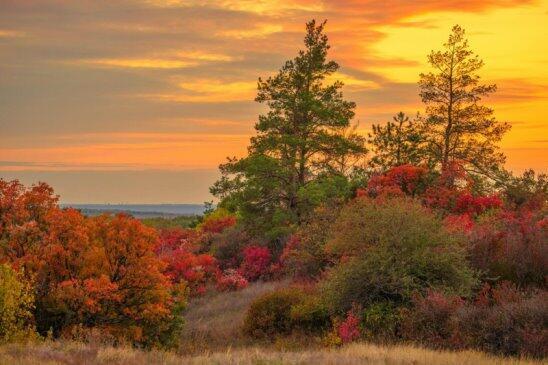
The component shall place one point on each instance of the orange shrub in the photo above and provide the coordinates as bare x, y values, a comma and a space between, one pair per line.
96, 272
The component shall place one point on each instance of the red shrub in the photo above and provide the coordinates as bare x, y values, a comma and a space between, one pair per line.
217, 225
349, 329
231, 279
459, 223
405, 179
175, 238
511, 246
501, 320
476, 205
196, 270
430, 320
508, 325
256, 262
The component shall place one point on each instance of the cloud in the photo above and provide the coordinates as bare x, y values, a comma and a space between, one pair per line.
6, 33
207, 91
121, 82
259, 31
139, 63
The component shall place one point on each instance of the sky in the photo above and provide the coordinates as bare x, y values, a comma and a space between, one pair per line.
138, 101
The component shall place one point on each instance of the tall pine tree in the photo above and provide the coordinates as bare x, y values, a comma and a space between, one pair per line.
299, 144
457, 127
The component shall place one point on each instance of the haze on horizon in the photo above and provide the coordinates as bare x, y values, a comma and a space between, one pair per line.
138, 101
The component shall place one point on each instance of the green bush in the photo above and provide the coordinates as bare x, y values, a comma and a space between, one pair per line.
392, 248
304, 254
284, 311
270, 314
311, 315
16, 306
381, 321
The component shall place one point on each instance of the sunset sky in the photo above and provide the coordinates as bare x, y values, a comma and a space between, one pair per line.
138, 101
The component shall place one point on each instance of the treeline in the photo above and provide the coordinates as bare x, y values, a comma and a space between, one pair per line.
413, 233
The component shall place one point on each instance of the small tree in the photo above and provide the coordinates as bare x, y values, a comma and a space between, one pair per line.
16, 306
457, 127
395, 143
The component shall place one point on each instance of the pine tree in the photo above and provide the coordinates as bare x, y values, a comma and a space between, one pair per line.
457, 127
301, 138
395, 143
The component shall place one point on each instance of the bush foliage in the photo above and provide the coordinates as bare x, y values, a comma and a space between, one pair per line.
16, 306
391, 249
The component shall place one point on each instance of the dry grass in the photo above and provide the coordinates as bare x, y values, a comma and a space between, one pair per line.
214, 321
56, 353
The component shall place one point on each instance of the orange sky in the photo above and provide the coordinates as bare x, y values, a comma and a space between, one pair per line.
132, 87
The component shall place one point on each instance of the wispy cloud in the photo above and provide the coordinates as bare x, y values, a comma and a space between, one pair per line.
172, 82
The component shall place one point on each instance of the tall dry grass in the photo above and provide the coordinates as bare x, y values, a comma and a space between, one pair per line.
57, 353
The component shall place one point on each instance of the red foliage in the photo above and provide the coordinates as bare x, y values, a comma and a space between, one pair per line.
459, 223
174, 238
217, 225
511, 246
400, 180
349, 329
466, 203
256, 262
231, 279
175, 249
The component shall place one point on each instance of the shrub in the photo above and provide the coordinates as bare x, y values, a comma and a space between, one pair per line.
98, 272
511, 246
501, 320
431, 320
349, 329
381, 321
231, 279
227, 247
256, 262
311, 315
16, 306
475, 205
515, 327
177, 238
270, 314
304, 254
217, 221
391, 249
400, 180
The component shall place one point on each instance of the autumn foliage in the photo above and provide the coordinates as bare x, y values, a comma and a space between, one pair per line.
256, 262
99, 272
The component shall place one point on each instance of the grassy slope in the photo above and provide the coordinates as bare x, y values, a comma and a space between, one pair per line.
213, 322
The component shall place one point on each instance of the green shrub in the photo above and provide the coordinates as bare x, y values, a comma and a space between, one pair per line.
16, 306
304, 254
381, 321
311, 315
392, 248
270, 314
